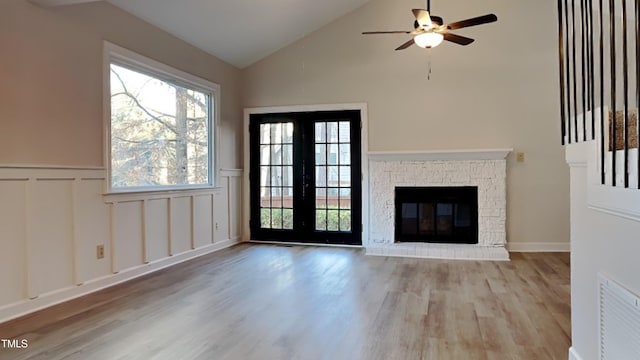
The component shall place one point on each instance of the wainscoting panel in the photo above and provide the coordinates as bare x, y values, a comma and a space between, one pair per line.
157, 234
234, 201
221, 209
13, 254
180, 225
91, 228
127, 235
52, 220
202, 220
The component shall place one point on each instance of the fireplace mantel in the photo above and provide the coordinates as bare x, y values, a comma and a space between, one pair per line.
470, 154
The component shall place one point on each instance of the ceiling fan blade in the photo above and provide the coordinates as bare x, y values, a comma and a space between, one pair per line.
423, 18
385, 32
484, 19
460, 40
405, 45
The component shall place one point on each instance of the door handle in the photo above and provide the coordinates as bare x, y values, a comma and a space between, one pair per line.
306, 186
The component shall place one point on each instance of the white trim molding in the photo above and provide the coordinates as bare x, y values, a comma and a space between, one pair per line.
231, 172
470, 154
573, 354
53, 3
538, 247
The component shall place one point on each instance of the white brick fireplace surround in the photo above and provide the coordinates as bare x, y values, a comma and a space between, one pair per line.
485, 169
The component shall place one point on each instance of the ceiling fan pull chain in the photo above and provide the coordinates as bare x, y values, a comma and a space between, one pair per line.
428, 64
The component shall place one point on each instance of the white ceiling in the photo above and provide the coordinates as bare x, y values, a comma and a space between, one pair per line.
240, 32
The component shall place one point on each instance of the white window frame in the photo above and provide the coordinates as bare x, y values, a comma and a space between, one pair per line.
123, 57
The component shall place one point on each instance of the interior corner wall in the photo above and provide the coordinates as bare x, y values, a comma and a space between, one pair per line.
499, 92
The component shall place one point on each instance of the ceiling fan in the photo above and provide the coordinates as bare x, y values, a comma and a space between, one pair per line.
429, 31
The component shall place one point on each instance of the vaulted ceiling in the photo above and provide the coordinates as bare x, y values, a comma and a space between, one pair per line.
239, 32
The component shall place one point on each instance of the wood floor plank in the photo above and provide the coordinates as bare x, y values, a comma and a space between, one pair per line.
272, 302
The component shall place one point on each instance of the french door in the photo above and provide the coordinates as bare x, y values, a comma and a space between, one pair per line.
305, 177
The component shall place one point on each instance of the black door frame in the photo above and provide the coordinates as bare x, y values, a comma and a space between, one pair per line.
303, 229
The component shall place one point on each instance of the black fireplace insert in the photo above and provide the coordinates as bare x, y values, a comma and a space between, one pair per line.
437, 214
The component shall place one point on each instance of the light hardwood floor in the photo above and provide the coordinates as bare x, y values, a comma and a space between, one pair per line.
276, 302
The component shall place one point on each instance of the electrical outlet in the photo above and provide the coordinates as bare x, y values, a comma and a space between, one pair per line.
520, 157
100, 252
216, 226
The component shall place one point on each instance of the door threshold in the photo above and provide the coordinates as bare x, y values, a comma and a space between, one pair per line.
291, 243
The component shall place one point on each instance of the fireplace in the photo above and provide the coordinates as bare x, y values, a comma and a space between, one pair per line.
447, 235
438, 214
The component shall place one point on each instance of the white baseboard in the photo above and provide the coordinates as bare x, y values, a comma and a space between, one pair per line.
539, 247
24, 307
573, 354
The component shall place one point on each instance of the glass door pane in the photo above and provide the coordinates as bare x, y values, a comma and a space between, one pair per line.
333, 176
276, 175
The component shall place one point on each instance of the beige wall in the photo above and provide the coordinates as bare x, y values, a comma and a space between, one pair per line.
500, 92
51, 88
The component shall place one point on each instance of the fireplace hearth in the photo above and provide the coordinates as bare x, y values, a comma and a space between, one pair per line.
438, 214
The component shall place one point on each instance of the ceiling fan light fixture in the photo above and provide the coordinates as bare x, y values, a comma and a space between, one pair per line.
428, 39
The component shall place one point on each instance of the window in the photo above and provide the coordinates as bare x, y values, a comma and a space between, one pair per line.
160, 125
